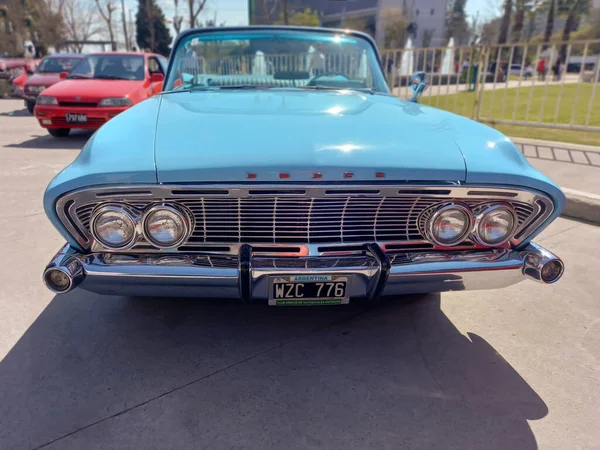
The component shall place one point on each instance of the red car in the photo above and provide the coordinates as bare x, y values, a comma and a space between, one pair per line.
101, 86
46, 75
16, 71
13, 67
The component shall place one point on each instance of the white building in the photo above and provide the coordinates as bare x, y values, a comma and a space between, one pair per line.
426, 17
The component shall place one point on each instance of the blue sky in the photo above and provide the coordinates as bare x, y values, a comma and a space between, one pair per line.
485, 8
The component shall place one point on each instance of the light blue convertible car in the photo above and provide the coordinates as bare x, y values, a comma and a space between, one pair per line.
276, 166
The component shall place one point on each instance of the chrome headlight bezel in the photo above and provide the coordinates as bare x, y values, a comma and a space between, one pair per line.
439, 212
126, 214
489, 209
183, 216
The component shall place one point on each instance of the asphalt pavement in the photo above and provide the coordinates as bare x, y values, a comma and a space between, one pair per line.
508, 369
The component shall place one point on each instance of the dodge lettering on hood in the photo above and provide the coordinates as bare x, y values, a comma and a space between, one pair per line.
275, 166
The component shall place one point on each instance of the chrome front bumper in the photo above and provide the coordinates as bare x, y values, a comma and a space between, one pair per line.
246, 276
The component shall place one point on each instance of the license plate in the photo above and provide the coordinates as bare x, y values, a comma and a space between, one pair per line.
303, 290
76, 118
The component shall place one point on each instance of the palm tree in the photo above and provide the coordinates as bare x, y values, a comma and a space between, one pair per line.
574, 9
505, 25
549, 21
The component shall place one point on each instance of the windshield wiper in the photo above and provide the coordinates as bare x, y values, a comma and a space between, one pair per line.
77, 76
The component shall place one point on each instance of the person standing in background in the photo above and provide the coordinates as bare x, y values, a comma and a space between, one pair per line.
541, 69
556, 69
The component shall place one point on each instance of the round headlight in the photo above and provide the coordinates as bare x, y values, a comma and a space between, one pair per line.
113, 227
496, 224
165, 226
450, 225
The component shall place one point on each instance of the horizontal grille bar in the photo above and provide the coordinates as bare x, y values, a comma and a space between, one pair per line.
79, 104
91, 121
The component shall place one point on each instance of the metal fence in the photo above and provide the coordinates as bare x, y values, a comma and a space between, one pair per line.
268, 64
548, 86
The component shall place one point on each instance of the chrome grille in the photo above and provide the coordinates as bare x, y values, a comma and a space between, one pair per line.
305, 220
307, 215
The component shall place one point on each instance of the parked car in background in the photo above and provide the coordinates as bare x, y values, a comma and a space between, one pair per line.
515, 70
10, 68
17, 71
100, 87
17, 84
48, 74
310, 185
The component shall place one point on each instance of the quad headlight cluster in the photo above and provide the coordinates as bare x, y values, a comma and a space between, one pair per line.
452, 223
118, 227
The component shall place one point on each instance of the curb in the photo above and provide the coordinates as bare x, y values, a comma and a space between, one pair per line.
582, 206
555, 144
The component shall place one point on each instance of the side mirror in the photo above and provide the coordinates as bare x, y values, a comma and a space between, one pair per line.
63, 75
157, 78
418, 84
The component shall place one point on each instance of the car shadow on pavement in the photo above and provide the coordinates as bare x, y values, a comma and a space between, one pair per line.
560, 154
16, 113
75, 141
115, 372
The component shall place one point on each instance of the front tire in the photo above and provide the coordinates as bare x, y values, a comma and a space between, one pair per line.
59, 132
30, 105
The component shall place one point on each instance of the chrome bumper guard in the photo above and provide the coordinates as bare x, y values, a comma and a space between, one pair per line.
373, 272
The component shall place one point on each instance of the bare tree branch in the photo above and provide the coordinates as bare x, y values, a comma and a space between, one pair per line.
177, 19
107, 16
124, 21
269, 12
80, 21
195, 8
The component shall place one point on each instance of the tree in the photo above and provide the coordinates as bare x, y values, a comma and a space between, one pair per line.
268, 11
519, 22
456, 22
177, 19
305, 18
490, 31
81, 21
396, 24
124, 20
505, 24
38, 21
549, 21
427, 36
151, 31
107, 17
574, 9
195, 7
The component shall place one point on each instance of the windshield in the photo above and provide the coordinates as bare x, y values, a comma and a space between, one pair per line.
110, 67
57, 64
248, 59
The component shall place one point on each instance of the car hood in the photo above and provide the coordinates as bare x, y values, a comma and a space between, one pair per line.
224, 135
91, 90
43, 79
